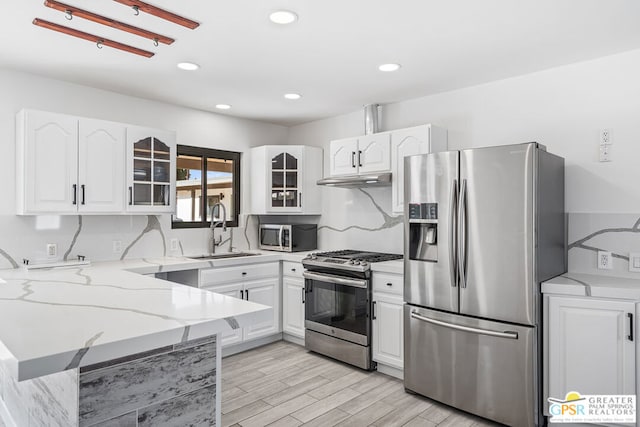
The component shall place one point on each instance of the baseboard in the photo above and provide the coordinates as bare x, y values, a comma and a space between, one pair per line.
391, 371
5, 417
293, 339
248, 345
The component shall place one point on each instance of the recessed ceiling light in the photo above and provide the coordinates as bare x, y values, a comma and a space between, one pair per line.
223, 106
389, 67
292, 96
283, 17
188, 66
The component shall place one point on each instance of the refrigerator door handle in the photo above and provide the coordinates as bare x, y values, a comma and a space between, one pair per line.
452, 234
462, 234
505, 334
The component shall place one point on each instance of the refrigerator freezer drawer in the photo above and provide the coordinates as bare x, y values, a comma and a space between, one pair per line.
479, 366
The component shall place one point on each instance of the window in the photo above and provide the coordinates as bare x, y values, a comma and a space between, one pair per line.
205, 177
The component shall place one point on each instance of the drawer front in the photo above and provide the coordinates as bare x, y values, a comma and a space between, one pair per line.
214, 276
292, 269
389, 283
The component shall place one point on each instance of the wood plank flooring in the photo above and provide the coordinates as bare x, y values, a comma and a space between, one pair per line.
282, 384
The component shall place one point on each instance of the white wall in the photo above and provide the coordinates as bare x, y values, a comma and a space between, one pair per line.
563, 108
25, 237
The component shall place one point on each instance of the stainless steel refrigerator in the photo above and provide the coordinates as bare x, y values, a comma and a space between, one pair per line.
483, 227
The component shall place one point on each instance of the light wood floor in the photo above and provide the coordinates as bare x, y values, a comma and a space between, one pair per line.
282, 384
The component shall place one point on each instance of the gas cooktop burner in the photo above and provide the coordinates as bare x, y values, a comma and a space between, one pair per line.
359, 255
346, 260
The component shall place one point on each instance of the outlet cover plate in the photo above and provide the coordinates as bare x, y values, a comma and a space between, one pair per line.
605, 260
634, 262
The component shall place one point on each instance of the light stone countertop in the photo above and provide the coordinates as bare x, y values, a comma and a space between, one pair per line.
57, 319
593, 285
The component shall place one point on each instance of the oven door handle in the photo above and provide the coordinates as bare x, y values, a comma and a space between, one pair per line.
358, 283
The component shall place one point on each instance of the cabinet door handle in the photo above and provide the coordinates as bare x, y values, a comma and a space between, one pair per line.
303, 292
373, 310
630, 336
360, 158
130, 196
246, 293
75, 194
241, 294
300, 200
353, 159
82, 192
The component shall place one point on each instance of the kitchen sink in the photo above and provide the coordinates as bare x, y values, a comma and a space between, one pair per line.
224, 255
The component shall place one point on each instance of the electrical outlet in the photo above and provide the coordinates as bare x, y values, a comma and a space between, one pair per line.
174, 245
605, 153
52, 250
606, 137
605, 260
634, 262
117, 246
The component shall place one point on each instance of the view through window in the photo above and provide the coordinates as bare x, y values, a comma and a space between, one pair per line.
205, 177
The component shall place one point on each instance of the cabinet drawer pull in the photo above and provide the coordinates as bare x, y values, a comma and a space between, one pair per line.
244, 273
389, 284
630, 336
293, 269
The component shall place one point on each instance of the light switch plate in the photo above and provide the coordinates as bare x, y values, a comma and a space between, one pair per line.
605, 260
634, 262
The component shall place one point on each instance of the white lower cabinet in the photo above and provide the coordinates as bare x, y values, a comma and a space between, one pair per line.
293, 298
591, 346
388, 343
259, 283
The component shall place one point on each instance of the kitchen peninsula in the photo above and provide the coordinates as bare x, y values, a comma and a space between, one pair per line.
82, 346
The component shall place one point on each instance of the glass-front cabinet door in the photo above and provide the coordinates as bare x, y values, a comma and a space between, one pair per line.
285, 179
151, 155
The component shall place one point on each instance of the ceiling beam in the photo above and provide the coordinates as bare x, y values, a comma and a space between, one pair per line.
138, 5
92, 38
81, 13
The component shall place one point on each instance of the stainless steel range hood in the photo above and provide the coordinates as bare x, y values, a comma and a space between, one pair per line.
369, 180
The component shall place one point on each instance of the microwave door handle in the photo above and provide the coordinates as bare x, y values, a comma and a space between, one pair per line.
280, 236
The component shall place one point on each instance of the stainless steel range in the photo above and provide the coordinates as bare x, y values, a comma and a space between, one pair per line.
338, 304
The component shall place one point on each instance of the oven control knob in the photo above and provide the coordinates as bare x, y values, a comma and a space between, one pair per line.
363, 263
351, 262
356, 262
313, 256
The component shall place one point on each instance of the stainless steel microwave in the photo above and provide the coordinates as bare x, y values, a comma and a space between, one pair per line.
289, 237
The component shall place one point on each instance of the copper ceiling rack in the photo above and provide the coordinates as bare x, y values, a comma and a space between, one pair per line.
139, 6
72, 11
99, 41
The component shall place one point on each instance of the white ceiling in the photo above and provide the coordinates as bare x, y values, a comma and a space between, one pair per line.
330, 55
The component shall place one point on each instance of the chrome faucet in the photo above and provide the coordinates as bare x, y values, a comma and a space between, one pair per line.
214, 224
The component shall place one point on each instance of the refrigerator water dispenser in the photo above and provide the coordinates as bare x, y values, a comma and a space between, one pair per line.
423, 231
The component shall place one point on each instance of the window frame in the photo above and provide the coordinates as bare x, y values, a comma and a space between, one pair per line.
207, 153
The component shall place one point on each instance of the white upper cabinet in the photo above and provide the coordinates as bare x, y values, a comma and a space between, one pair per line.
408, 142
373, 153
283, 179
342, 157
365, 154
46, 163
151, 170
69, 165
100, 166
